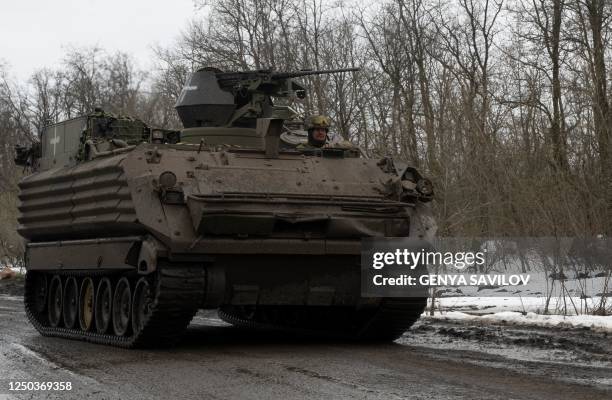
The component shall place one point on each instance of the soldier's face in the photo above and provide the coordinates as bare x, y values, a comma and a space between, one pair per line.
319, 134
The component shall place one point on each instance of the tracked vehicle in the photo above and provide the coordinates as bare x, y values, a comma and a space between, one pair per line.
131, 230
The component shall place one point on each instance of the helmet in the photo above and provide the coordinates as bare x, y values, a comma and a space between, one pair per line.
318, 121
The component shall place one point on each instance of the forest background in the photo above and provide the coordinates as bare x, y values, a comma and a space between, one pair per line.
504, 104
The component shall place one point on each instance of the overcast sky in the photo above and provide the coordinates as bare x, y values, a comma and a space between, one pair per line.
36, 33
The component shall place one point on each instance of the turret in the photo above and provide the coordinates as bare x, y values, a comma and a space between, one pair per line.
212, 99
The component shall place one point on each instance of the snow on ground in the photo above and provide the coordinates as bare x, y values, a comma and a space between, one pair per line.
524, 311
539, 285
536, 304
600, 323
12, 267
569, 303
571, 296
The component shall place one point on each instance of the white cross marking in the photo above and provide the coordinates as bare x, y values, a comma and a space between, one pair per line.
55, 141
184, 92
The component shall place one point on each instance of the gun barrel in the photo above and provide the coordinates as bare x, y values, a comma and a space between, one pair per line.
296, 74
233, 79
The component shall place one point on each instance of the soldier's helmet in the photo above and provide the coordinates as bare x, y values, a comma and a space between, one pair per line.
318, 121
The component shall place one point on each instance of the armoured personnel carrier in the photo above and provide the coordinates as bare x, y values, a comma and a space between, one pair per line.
131, 230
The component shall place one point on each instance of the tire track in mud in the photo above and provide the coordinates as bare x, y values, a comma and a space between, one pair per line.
432, 361
576, 355
21, 362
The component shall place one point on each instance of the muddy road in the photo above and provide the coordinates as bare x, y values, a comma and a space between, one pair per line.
435, 360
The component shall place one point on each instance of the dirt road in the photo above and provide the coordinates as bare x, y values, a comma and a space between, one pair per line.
436, 360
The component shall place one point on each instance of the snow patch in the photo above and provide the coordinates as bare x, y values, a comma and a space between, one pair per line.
595, 322
30, 353
536, 304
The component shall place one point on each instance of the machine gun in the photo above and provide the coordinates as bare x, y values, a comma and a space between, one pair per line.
268, 74
212, 98
272, 82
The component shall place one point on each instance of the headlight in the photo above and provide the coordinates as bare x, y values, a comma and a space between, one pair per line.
167, 180
159, 135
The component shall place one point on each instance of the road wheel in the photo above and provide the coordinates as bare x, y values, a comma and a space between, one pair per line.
71, 307
102, 305
122, 307
55, 301
41, 291
86, 304
141, 306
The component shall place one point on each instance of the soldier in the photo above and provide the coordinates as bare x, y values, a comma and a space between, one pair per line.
318, 128
319, 135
